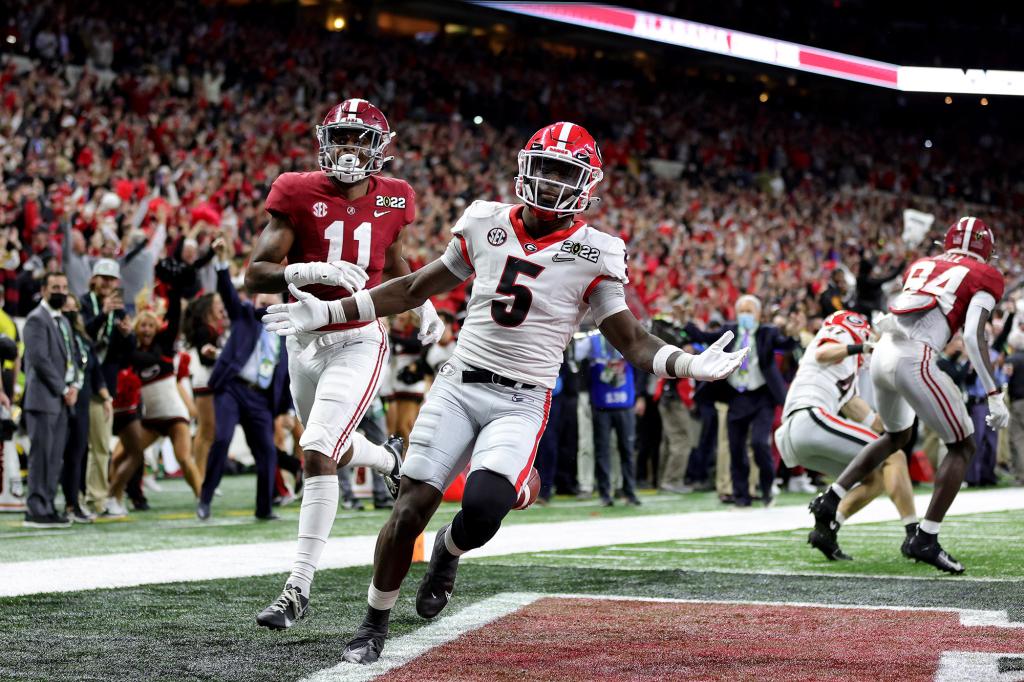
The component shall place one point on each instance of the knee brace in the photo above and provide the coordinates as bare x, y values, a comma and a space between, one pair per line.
486, 500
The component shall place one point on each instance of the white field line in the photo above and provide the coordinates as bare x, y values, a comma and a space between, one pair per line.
236, 561
404, 649
957, 666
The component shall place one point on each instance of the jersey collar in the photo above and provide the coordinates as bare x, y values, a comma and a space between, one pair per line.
530, 245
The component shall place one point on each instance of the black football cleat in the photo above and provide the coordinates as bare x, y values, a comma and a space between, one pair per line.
827, 545
905, 547
368, 641
438, 582
290, 607
925, 547
394, 445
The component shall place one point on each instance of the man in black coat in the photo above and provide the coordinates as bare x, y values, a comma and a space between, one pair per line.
752, 393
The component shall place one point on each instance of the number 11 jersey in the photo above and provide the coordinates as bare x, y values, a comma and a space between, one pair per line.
530, 294
329, 227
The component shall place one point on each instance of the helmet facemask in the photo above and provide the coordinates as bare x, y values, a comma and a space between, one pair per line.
351, 151
555, 183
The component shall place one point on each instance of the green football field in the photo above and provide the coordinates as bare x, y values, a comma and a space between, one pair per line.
206, 631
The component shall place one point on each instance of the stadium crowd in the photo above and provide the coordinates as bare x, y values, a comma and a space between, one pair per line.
128, 153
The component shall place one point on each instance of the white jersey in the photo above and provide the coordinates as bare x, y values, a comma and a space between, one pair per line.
817, 384
530, 294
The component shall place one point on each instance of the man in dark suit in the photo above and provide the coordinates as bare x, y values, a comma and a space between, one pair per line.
51, 381
752, 393
249, 382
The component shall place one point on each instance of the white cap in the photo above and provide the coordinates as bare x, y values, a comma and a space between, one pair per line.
106, 267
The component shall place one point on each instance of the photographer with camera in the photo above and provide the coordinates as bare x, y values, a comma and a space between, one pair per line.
107, 323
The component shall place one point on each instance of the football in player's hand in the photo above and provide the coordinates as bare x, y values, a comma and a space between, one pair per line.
528, 493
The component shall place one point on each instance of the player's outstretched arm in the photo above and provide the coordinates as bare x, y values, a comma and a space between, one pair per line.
649, 353
266, 273
392, 297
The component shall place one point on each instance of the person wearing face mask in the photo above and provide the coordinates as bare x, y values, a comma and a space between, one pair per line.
91, 387
52, 380
752, 393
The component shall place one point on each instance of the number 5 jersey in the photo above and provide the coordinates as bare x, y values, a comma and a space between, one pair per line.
530, 294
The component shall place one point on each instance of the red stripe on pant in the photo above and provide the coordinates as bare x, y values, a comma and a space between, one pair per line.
936, 391
364, 402
867, 433
533, 455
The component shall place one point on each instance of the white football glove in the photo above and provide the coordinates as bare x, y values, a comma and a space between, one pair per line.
307, 314
869, 347
998, 416
714, 363
338, 273
431, 326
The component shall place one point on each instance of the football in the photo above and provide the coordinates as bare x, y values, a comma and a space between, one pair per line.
528, 493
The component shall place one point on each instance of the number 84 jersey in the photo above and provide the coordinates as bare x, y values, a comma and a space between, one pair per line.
529, 294
937, 292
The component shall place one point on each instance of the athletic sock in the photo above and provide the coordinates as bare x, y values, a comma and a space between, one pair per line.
840, 517
449, 543
909, 519
316, 516
366, 454
379, 600
838, 490
930, 527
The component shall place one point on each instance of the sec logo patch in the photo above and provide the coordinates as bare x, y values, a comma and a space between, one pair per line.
497, 237
319, 209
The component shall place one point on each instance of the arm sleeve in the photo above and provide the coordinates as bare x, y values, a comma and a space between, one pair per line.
607, 298
981, 301
277, 199
456, 258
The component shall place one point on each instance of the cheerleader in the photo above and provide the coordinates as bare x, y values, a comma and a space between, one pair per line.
163, 411
204, 328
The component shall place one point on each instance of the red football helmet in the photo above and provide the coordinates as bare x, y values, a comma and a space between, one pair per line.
971, 237
558, 169
855, 323
353, 139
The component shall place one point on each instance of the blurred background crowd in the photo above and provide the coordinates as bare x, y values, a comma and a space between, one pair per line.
138, 142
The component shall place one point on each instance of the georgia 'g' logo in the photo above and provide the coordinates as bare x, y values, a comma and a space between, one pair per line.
497, 236
319, 209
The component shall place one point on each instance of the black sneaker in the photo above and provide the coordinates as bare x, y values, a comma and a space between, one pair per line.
438, 582
290, 607
394, 445
925, 547
203, 511
827, 545
368, 641
48, 521
905, 547
79, 515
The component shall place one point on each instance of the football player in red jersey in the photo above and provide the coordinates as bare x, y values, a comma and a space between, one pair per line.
942, 295
340, 230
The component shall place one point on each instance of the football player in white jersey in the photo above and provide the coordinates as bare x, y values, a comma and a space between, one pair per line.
538, 271
825, 425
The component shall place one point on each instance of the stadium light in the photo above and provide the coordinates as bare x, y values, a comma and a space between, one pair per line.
707, 38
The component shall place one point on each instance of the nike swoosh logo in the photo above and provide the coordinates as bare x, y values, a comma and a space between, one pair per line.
377, 214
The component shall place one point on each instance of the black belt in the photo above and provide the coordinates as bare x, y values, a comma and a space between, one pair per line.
475, 375
252, 385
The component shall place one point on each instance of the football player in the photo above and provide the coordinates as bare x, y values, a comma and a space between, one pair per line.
941, 295
538, 269
825, 424
340, 229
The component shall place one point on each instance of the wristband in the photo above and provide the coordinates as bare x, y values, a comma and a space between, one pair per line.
682, 368
661, 360
854, 348
364, 304
335, 312
996, 391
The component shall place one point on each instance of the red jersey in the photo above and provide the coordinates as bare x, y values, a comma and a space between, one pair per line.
329, 227
948, 282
